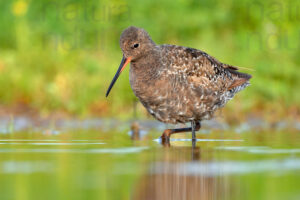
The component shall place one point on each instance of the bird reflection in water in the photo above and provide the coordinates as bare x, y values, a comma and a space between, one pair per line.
170, 179
135, 131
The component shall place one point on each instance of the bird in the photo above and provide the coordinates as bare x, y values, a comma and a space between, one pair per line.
177, 84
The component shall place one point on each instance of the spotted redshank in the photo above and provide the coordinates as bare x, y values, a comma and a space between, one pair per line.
177, 84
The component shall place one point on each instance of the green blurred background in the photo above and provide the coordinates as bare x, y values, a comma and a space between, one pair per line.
60, 56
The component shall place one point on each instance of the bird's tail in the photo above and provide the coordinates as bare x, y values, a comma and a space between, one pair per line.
239, 79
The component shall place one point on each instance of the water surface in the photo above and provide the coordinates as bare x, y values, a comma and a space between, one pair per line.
105, 164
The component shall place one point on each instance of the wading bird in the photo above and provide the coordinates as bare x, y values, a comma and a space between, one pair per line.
177, 84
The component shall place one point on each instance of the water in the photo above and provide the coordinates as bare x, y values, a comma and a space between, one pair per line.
91, 163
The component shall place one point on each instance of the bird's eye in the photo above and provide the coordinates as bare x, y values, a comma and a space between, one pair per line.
135, 45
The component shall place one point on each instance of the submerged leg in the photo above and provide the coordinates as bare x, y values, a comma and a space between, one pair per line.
165, 137
193, 124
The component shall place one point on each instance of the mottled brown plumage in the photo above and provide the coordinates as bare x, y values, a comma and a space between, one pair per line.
177, 84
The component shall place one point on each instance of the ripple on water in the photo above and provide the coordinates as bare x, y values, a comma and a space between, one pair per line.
26, 167
226, 167
48, 143
124, 150
199, 140
258, 149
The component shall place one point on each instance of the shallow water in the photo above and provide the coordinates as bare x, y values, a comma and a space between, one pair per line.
97, 164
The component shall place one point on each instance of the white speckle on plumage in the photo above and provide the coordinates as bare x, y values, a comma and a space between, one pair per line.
151, 111
184, 98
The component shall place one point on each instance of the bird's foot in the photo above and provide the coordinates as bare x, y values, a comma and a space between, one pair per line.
165, 137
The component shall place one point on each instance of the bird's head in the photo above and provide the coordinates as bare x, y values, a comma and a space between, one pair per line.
135, 43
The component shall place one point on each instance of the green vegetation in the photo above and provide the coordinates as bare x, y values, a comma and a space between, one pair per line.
61, 55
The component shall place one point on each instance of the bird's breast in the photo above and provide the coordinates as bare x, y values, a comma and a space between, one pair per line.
142, 82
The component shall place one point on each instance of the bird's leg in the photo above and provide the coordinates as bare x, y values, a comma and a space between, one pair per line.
193, 124
165, 137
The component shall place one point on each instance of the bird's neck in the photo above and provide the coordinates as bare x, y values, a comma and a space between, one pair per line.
145, 70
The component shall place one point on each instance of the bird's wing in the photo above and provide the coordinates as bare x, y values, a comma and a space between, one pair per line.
203, 70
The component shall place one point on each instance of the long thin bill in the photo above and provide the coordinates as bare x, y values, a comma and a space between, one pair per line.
122, 66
